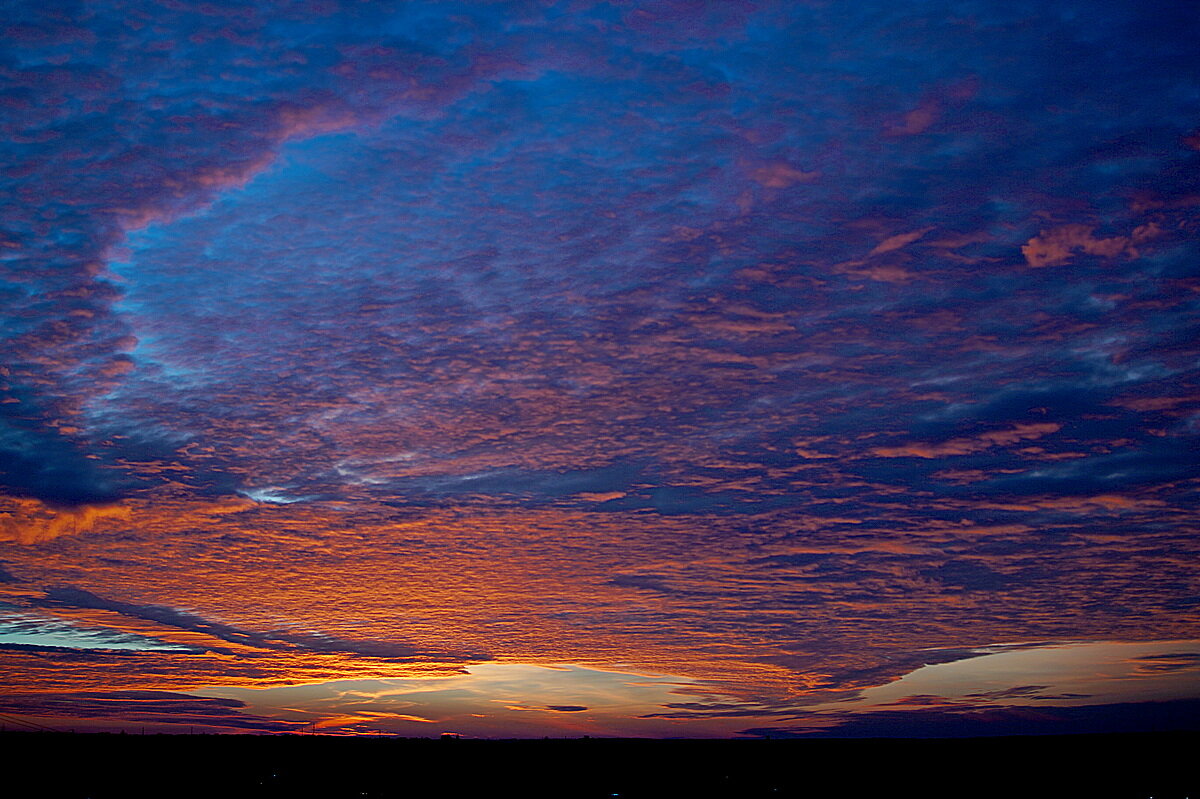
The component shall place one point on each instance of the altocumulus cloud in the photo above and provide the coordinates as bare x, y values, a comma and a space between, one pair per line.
772, 344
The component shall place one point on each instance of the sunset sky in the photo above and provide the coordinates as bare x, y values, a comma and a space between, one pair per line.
678, 368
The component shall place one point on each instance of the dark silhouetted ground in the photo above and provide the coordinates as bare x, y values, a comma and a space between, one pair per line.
100, 766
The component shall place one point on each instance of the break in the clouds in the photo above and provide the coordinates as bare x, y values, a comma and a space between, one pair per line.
786, 346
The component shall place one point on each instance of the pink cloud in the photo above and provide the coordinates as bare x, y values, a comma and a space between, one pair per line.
898, 241
966, 446
1059, 245
780, 175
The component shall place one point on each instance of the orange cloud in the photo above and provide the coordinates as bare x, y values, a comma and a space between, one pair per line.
881, 274
781, 175
898, 241
966, 446
117, 366
1109, 502
601, 496
1058, 245
1145, 404
28, 521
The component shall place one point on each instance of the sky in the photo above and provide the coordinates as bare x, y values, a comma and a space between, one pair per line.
663, 369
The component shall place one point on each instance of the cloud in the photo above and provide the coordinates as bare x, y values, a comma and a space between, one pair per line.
955, 723
968, 575
898, 241
781, 176
966, 446
28, 521
272, 640
1058, 245
1157, 664
48, 464
382, 339
1155, 462
129, 708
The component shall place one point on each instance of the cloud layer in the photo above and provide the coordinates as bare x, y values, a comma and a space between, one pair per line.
768, 343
